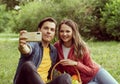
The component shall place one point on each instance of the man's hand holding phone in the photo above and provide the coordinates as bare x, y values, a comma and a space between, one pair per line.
22, 38
32, 36
28, 37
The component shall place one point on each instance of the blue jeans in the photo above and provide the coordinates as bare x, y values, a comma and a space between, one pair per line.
103, 77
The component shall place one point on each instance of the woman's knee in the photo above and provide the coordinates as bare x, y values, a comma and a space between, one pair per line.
105, 77
65, 78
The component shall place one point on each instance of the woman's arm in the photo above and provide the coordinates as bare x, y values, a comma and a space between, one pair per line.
87, 66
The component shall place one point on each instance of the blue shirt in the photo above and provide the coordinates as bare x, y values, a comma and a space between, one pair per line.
36, 55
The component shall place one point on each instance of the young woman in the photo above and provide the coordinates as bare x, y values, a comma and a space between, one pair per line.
73, 51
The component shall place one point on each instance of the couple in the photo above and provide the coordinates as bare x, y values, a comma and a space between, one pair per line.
38, 58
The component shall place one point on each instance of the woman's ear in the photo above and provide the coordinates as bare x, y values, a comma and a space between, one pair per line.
39, 29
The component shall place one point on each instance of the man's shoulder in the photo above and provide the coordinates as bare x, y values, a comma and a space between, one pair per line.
34, 44
52, 47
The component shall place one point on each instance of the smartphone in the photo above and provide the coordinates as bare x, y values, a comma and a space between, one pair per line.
33, 36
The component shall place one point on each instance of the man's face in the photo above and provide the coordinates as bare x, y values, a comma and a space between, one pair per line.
48, 31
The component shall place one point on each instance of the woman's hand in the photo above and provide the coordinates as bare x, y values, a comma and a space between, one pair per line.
68, 62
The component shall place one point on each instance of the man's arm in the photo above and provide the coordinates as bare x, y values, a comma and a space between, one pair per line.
23, 47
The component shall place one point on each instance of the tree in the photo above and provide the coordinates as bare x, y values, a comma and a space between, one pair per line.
10, 4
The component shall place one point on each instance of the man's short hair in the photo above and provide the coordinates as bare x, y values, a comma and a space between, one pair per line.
49, 19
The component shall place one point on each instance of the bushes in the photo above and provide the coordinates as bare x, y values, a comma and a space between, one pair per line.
94, 17
31, 14
110, 21
6, 19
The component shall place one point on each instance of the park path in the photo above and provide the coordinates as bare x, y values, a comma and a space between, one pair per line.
6, 37
11, 39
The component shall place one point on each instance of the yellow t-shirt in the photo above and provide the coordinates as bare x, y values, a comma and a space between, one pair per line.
45, 64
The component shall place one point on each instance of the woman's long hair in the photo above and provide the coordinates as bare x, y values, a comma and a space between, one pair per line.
80, 47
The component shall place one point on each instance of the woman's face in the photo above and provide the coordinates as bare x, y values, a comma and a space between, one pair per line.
66, 33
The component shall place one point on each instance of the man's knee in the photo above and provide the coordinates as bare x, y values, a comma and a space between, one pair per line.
28, 66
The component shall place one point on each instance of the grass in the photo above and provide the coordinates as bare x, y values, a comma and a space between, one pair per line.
9, 56
107, 55
104, 53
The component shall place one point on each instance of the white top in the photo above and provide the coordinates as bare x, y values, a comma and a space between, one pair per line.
65, 51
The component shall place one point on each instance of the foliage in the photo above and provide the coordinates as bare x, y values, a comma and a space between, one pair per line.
31, 14
2, 10
110, 21
10, 4
97, 20
5, 19
91, 28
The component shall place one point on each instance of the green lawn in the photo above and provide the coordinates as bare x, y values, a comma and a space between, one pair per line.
105, 53
9, 56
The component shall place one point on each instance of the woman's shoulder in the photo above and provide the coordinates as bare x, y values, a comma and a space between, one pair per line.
57, 43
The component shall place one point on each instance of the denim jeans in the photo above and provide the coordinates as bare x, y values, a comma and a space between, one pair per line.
28, 75
103, 77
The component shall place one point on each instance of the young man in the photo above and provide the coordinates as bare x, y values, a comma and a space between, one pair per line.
37, 58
